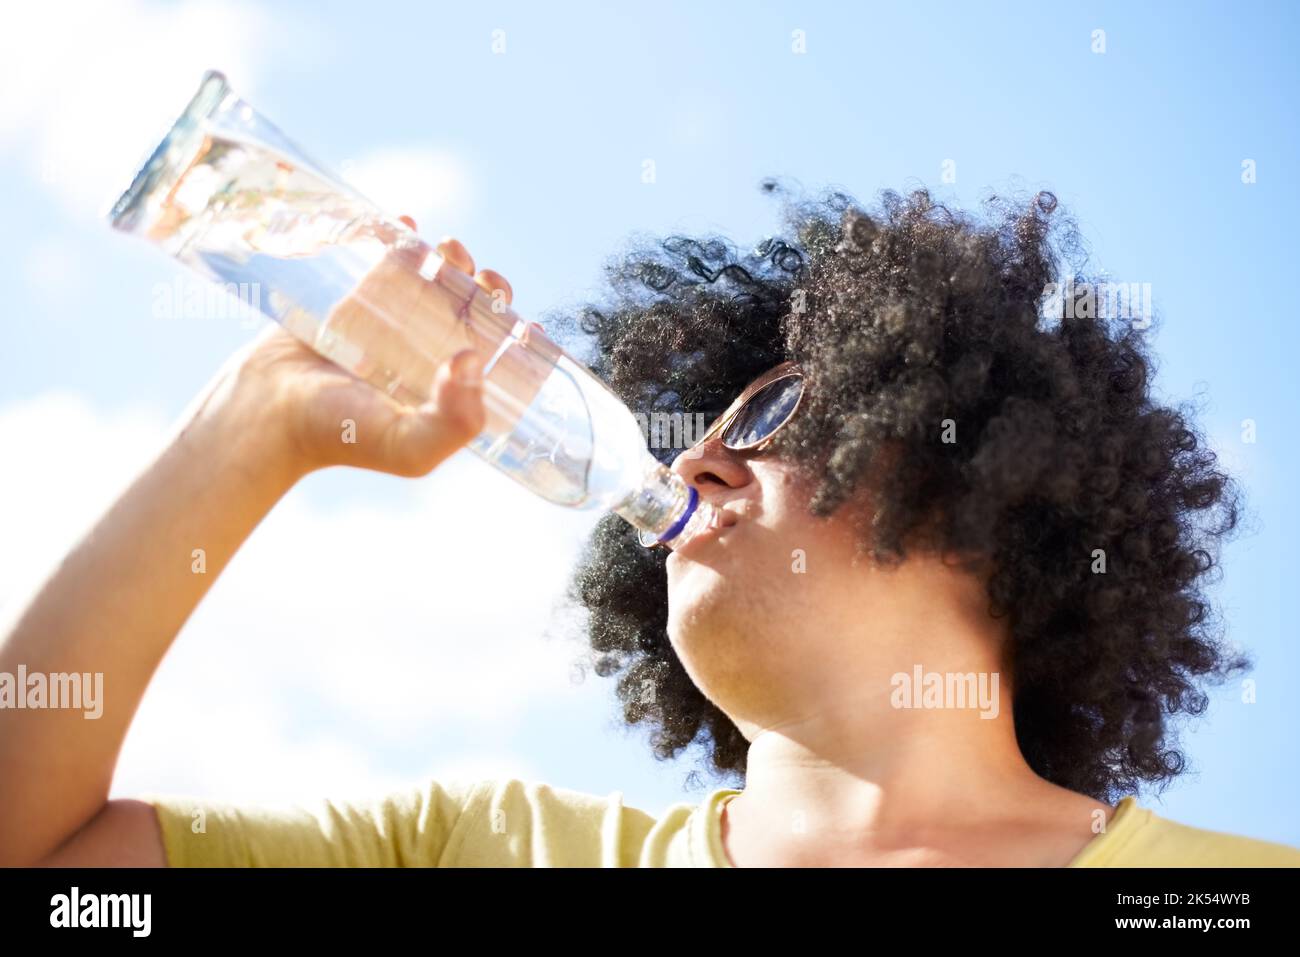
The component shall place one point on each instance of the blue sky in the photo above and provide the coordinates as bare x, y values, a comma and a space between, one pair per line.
533, 157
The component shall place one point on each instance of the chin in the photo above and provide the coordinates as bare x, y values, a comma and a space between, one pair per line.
702, 606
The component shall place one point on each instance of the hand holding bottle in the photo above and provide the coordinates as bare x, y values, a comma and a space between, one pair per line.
228, 195
327, 416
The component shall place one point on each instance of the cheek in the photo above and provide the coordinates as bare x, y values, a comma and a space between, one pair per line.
811, 555
784, 516
778, 555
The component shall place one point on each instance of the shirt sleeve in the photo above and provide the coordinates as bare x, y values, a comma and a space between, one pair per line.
408, 828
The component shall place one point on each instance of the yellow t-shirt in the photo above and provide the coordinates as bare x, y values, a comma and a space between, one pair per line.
515, 823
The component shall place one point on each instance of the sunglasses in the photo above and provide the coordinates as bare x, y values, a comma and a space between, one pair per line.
756, 415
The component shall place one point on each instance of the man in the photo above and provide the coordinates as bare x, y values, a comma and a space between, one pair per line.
955, 597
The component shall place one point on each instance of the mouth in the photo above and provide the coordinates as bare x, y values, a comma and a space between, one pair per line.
725, 520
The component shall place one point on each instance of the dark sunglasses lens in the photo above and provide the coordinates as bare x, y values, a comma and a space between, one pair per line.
764, 413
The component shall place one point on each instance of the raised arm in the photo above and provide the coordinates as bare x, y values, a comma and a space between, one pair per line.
115, 603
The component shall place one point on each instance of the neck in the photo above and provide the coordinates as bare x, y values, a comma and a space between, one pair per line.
855, 759
910, 753
916, 784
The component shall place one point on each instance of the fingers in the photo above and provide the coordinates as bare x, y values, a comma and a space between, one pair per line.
455, 253
421, 438
492, 282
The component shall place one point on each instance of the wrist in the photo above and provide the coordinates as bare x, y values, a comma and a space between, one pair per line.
239, 431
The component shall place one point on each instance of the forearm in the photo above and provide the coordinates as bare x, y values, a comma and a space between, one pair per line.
114, 605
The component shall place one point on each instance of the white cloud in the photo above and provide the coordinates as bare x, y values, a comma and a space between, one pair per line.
430, 186
65, 463
346, 649
86, 88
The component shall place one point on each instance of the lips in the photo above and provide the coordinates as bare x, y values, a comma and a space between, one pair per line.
725, 520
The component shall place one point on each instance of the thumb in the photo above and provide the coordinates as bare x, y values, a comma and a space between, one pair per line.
422, 437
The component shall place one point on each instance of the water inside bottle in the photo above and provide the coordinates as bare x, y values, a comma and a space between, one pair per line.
367, 293
239, 215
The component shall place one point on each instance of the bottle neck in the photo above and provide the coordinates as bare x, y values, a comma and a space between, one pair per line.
666, 508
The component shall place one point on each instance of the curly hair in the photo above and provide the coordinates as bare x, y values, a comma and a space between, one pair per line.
907, 319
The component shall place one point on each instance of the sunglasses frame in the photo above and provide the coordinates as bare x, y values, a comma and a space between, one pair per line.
785, 370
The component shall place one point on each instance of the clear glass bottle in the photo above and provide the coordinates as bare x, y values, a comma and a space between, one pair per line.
229, 196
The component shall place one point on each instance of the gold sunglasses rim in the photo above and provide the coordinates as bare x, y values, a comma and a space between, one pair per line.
786, 370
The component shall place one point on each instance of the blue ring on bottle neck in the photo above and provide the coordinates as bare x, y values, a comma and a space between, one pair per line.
678, 525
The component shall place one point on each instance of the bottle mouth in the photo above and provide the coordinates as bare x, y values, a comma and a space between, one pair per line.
650, 539
698, 516
133, 209
666, 509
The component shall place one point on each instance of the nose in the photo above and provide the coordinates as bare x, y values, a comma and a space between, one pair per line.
714, 470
